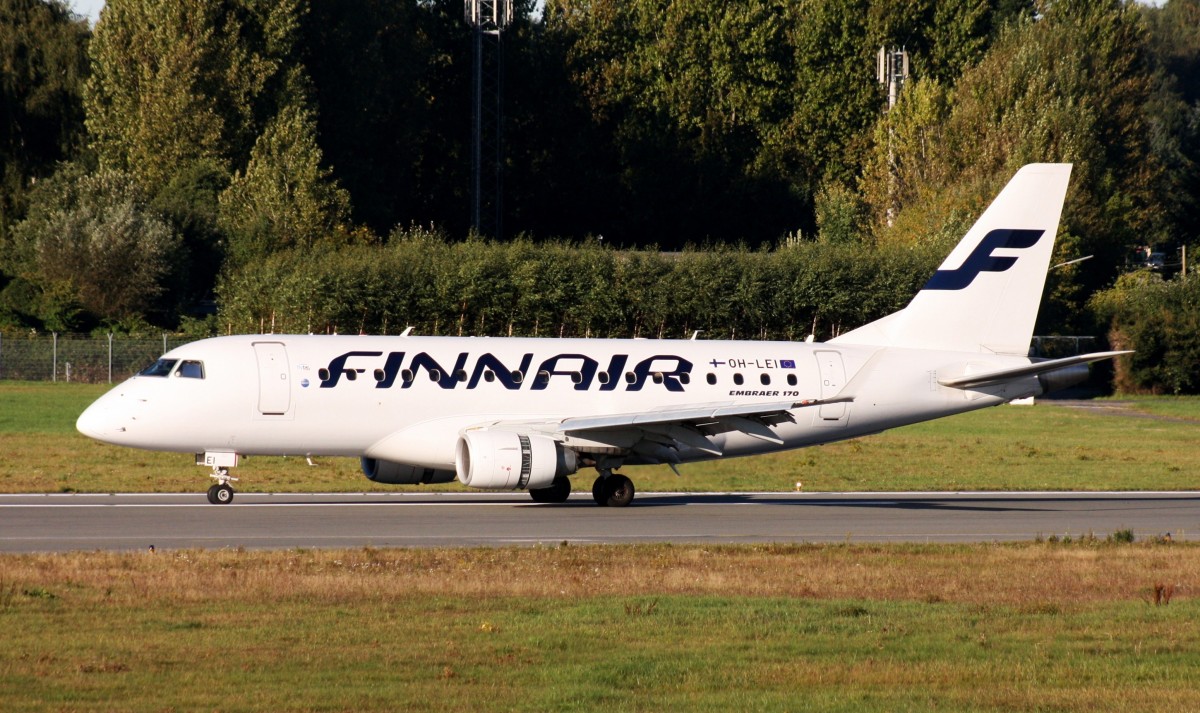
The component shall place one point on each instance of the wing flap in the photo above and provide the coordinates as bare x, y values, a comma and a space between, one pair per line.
691, 414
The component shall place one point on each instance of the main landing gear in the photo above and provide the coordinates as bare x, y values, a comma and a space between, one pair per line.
221, 493
558, 492
612, 490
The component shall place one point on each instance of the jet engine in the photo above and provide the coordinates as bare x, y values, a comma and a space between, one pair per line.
504, 460
1063, 378
392, 473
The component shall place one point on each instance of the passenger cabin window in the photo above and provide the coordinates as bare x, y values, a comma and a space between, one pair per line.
191, 370
737, 379
791, 379
711, 378
162, 367
765, 379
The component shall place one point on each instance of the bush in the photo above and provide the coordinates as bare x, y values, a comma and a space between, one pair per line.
560, 289
1160, 321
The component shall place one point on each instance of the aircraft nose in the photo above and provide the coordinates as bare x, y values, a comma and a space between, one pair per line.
100, 421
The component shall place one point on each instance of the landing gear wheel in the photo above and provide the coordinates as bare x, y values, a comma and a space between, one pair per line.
220, 494
558, 492
620, 491
598, 491
613, 491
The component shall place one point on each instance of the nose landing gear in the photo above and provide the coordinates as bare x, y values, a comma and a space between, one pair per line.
221, 493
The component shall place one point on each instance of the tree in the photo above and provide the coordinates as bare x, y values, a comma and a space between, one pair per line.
1072, 86
180, 82
91, 252
43, 65
1160, 321
285, 198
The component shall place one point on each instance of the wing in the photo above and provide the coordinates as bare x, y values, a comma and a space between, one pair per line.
657, 436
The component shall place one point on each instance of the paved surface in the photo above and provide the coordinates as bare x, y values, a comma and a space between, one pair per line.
34, 523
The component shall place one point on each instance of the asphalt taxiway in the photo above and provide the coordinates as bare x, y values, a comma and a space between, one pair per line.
56, 523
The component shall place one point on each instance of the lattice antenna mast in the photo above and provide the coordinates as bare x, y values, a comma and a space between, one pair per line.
488, 19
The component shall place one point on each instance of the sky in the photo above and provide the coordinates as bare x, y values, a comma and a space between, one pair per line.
87, 8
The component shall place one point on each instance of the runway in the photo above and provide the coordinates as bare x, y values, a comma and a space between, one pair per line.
57, 523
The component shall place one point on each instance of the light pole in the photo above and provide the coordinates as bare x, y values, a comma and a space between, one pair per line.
488, 19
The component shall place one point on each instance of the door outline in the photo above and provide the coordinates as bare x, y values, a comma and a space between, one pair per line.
274, 383
833, 379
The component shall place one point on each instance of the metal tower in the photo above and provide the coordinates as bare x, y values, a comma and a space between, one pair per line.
488, 19
892, 71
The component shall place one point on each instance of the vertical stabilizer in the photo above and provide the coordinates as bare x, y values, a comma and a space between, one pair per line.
985, 296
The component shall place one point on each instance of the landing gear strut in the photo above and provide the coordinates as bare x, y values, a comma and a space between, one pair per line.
221, 493
558, 492
612, 489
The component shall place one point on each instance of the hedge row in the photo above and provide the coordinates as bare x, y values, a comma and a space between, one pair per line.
522, 288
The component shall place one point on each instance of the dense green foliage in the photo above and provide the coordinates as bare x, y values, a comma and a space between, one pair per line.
1160, 319
90, 247
43, 64
520, 288
266, 132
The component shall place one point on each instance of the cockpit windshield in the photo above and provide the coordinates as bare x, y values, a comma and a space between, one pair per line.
162, 367
191, 370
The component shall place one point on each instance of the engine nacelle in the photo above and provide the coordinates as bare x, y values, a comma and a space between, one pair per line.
391, 473
1063, 378
504, 460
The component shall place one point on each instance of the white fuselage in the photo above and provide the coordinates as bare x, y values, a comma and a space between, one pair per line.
408, 399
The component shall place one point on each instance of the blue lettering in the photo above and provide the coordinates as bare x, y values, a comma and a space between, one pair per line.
337, 368
502, 372
586, 371
670, 378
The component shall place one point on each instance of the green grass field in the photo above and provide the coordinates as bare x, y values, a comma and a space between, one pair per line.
838, 628
1035, 626
1150, 445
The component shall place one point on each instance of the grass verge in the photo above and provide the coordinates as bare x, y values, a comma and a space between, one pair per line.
839, 627
1148, 446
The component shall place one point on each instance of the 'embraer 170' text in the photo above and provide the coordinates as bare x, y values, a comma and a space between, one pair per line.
580, 370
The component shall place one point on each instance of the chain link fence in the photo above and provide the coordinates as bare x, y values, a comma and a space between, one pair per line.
1061, 347
80, 357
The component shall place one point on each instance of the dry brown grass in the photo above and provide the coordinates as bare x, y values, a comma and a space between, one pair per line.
1034, 575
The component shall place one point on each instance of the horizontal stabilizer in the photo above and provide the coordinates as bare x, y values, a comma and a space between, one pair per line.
992, 378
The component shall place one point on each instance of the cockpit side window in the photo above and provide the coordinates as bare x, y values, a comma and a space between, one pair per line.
191, 370
162, 367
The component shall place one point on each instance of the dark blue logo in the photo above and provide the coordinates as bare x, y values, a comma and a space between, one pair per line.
982, 260
667, 370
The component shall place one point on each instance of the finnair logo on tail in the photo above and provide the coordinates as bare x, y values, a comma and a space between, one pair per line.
982, 260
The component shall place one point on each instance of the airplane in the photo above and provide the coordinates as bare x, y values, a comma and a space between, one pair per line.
526, 414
